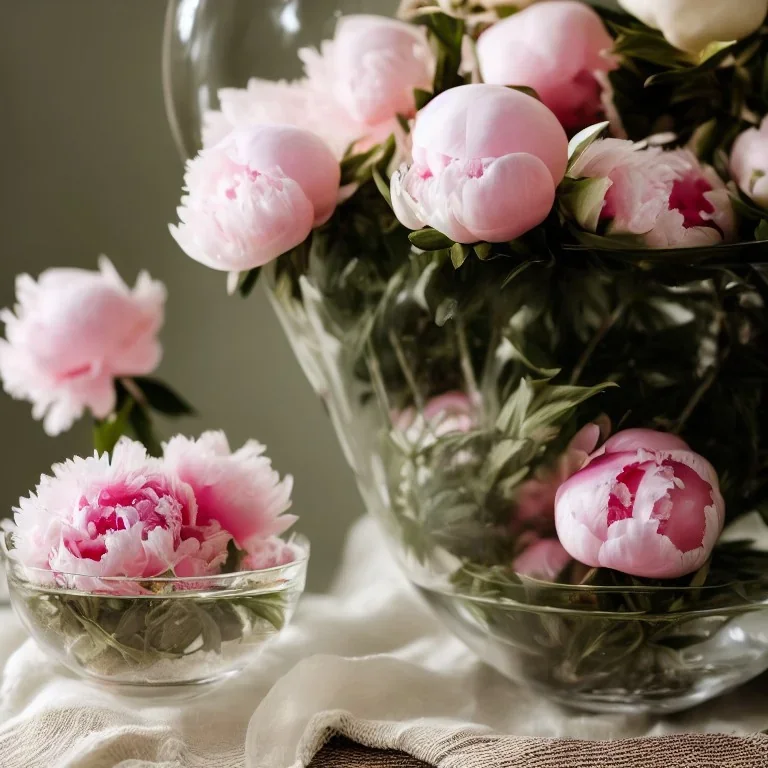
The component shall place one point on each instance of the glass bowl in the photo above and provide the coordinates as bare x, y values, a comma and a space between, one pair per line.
611, 649
160, 634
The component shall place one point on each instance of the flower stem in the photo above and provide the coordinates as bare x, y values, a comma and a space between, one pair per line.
406, 369
594, 343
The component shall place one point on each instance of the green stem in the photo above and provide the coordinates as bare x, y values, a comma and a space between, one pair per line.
594, 343
406, 369
466, 361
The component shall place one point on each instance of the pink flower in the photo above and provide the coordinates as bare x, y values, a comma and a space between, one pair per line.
353, 90
648, 439
654, 513
486, 161
749, 163
536, 496
442, 415
72, 333
238, 491
255, 196
668, 198
268, 553
556, 48
126, 517
545, 560
377, 63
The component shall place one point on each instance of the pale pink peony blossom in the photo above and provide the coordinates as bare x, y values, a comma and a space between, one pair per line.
545, 560
486, 161
239, 491
255, 195
649, 513
354, 88
667, 198
268, 553
72, 333
557, 48
97, 518
749, 163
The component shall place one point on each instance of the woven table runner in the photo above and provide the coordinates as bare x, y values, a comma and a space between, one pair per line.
473, 751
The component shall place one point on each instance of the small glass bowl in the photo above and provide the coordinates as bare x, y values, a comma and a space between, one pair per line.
653, 650
157, 635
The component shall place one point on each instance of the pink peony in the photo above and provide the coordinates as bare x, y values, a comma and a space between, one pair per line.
72, 333
650, 512
557, 48
238, 491
256, 195
98, 518
268, 553
668, 198
354, 87
486, 161
536, 496
749, 163
545, 559
442, 415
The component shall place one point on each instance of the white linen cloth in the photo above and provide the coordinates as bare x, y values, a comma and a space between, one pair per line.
366, 658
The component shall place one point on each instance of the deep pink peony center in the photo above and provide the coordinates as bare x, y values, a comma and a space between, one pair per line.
108, 515
688, 499
680, 512
688, 198
621, 501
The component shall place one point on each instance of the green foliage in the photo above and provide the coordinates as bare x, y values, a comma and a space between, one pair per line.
109, 634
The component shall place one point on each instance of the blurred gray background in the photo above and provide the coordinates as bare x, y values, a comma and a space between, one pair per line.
88, 167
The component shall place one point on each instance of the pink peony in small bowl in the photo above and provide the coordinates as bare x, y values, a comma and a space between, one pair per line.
157, 573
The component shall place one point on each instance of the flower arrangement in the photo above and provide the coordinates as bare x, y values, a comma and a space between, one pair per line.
145, 563
526, 272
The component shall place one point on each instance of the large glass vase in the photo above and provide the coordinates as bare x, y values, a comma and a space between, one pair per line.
463, 397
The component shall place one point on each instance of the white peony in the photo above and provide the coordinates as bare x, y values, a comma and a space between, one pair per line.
693, 24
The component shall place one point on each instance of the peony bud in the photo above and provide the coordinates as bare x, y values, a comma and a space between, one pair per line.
642, 510
669, 199
556, 48
693, 24
354, 88
72, 333
749, 163
255, 195
486, 161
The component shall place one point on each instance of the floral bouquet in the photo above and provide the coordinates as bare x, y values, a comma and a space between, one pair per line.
146, 564
521, 252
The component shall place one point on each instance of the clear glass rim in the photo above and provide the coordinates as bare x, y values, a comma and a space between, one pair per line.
298, 542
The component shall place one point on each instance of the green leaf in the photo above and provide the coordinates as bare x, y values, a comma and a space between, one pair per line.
162, 398
584, 201
107, 432
483, 251
248, 283
584, 139
761, 233
429, 239
459, 254
527, 90
141, 424
382, 186
422, 97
